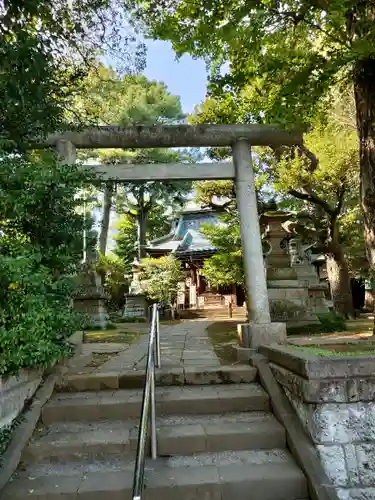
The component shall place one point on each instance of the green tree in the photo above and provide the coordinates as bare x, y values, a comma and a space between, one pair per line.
40, 247
158, 224
46, 48
290, 56
116, 279
330, 192
159, 279
225, 268
130, 101
322, 179
38, 204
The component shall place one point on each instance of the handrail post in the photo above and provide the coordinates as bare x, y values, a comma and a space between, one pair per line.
157, 340
154, 450
148, 411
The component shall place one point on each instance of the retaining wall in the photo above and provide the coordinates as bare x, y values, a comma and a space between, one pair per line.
334, 398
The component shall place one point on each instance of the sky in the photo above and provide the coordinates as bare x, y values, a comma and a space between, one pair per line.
185, 77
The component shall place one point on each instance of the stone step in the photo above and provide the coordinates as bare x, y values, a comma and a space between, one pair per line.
164, 377
175, 436
126, 404
216, 433
269, 475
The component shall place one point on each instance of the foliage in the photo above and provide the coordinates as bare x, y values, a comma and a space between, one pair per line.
329, 188
35, 310
332, 322
224, 268
126, 248
286, 61
37, 202
107, 99
328, 323
134, 100
321, 180
214, 194
6, 434
115, 278
159, 279
291, 53
158, 224
143, 197
45, 50
40, 244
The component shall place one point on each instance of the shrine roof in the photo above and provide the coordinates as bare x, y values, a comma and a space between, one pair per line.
185, 236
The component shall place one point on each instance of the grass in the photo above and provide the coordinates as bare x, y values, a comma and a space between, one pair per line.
338, 350
99, 358
108, 326
222, 335
361, 328
112, 336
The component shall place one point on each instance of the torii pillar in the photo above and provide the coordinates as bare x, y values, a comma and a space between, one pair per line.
259, 329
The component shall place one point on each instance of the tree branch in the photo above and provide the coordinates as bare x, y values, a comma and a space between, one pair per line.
312, 198
340, 198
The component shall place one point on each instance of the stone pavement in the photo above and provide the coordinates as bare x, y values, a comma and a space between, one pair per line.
182, 345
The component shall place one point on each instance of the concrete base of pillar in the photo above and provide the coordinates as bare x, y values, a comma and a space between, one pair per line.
252, 335
244, 354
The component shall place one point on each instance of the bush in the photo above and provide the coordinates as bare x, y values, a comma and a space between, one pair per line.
159, 279
114, 271
328, 323
332, 322
35, 314
40, 244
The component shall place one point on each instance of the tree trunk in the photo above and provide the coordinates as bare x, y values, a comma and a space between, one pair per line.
142, 219
339, 281
106, 207
364, 91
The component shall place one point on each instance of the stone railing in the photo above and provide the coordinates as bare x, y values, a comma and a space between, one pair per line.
334, 398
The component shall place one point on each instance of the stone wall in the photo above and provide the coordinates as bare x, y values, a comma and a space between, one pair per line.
14, 392
335, 401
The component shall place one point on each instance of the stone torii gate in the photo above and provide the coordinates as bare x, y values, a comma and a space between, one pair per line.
259, 329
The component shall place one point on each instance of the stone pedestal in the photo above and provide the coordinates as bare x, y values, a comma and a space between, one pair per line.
90, 298
94, 307
136, 306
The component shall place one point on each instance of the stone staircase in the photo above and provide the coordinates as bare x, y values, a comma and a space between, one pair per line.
214, 314
215, 442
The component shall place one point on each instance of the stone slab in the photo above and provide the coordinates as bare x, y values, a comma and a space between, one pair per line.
312, 366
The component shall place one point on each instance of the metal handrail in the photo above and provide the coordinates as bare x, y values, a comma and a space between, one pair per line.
148, 412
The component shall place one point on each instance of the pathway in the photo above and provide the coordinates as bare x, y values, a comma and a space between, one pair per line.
182, 345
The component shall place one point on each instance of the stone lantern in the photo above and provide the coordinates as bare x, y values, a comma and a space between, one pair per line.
136, 305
